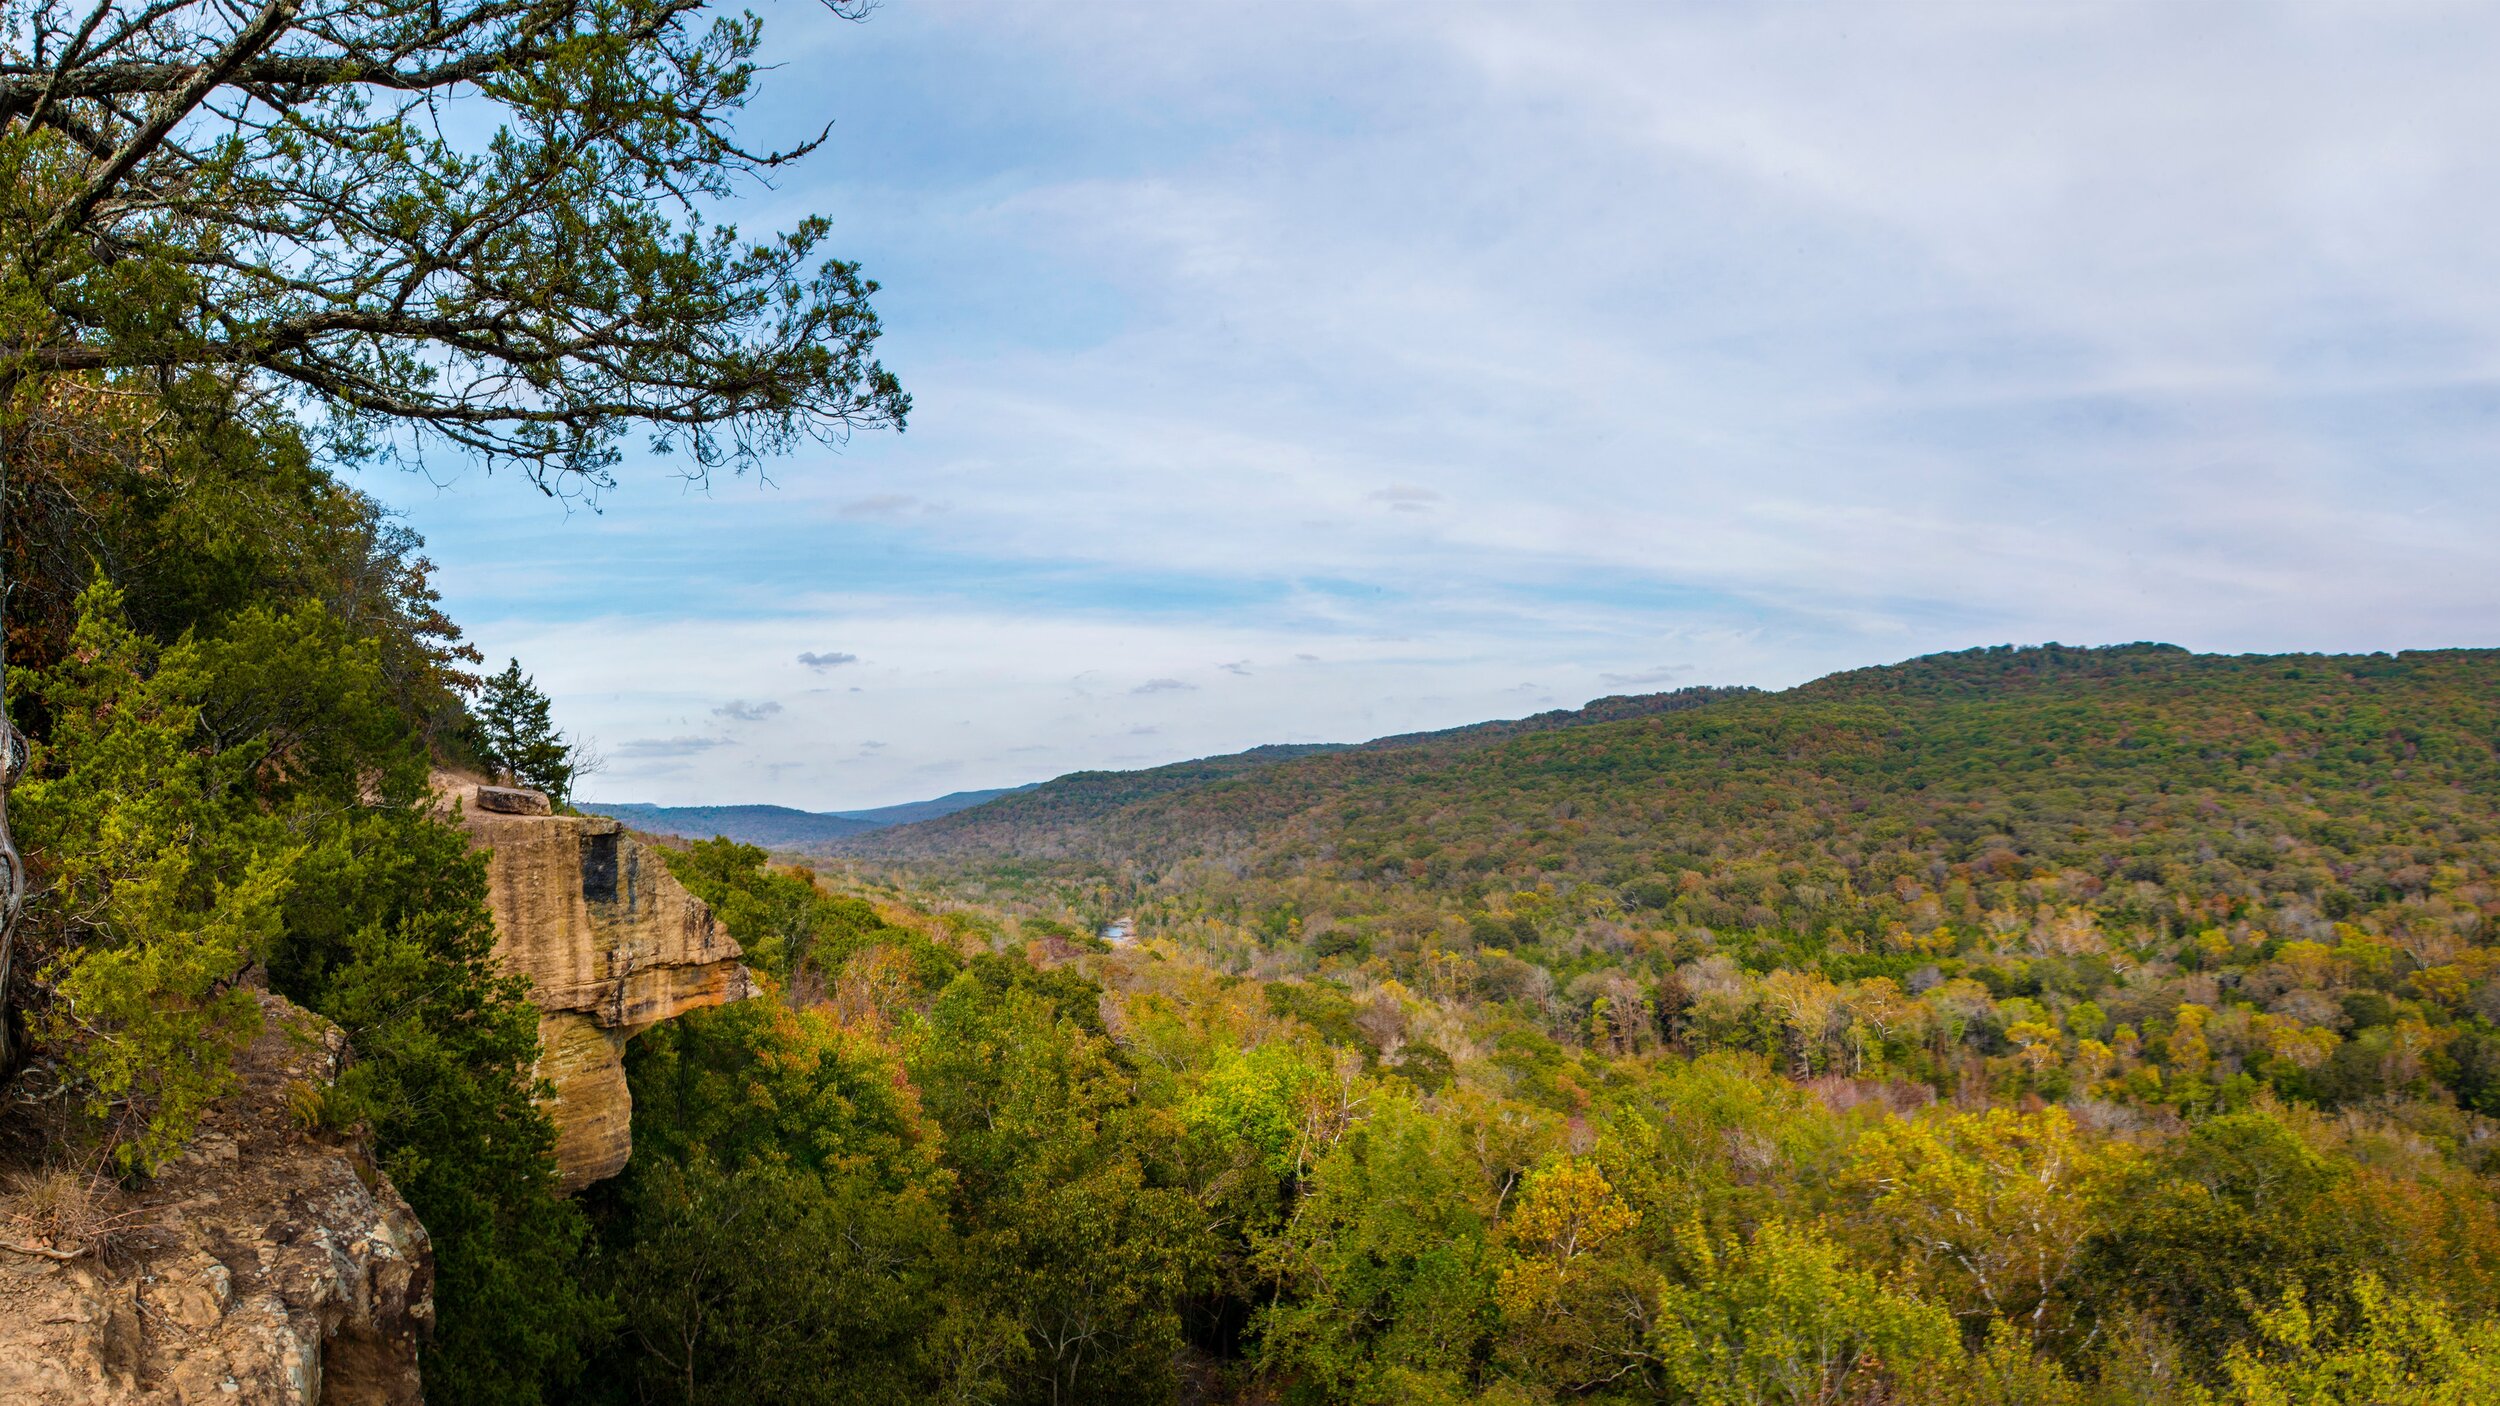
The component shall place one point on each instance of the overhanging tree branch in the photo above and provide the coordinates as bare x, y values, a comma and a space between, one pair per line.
267, 195
170, 112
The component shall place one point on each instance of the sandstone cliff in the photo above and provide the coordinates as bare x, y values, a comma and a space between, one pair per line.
611, 944
268, 1267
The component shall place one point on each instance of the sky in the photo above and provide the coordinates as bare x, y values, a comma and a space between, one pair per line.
1293, 372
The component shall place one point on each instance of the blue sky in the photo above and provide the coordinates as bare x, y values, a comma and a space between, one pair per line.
1292, 372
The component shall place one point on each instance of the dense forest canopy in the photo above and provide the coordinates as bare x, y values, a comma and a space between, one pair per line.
2105, 812
2038, 1024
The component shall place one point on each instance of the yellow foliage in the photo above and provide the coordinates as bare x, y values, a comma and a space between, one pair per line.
1991, 1210
2395, 1350
1567, 1210
2444, 984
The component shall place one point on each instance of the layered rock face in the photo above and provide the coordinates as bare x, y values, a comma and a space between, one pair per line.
612, 945
267, 1266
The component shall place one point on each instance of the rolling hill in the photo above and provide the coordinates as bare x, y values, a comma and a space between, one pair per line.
1058, 816
2142, 787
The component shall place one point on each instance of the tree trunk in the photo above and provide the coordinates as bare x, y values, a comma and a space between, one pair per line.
12, 763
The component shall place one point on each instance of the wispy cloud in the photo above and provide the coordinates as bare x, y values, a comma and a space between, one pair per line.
655, 747
880, 505
1664, 673
1405, 498
1163, 686
827, 660
739, 710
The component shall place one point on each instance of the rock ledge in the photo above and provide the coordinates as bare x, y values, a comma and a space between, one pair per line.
612, 945
267, 1265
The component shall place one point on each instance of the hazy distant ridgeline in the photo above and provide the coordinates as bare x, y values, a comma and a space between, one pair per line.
782, 827
1063, 817
2151, 784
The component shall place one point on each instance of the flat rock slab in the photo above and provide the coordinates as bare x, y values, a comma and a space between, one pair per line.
512, 800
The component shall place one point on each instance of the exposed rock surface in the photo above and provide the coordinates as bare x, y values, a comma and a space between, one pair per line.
511, 800
266, 1266
612, 945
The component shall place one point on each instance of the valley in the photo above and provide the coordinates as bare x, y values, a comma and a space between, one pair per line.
2055, 1016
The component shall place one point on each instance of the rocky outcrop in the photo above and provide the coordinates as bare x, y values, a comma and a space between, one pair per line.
612, 945
267, 1265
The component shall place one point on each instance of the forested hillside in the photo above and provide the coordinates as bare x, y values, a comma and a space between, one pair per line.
2153, 791
2021, 1025
775, 827
973, 1153
2135, 829
1075, 814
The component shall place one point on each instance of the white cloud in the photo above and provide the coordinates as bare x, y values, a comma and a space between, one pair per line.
880, 505
1405, 498
1664, 673
990, 690
652, 748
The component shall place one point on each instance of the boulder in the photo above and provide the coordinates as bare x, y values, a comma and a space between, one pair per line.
512, 800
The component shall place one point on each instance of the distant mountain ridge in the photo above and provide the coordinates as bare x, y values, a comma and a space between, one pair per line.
1046, 820
784, 827
1992, 742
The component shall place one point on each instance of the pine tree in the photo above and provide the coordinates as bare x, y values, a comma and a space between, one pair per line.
515, 733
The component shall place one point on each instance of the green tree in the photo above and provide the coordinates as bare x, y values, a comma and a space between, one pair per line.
782, 1232
1383, 1280
1784, 1319
387, 932
1077, 1229
2385, 1350
256, 796
769, 1284
516, 732
161, 885
1260, 1099
265, 190
794, 929
2226, 1220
